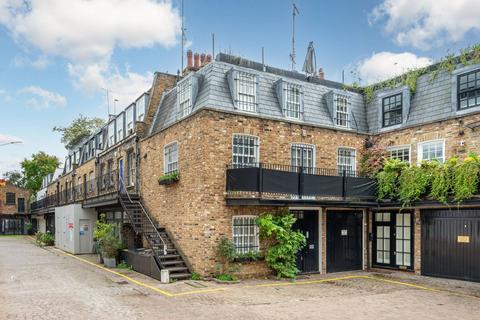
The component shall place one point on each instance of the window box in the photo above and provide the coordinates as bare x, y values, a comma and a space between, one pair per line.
169, 178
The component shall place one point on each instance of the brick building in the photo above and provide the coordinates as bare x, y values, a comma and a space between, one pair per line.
13, 209
234, 138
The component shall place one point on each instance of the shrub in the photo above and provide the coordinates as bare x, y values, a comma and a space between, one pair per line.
281, 256
105, 236
372, 161
44, 239
388, 179
465, 184
414, 182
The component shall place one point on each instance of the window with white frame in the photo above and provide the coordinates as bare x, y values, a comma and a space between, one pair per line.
346, 161
130, 169
341, 110
303, 155
129, 121
292, 101
111, 134
140, 107
401, 153
244, 151
245, 234
120, 123
170, 158
246, 91
431, 150
184, 94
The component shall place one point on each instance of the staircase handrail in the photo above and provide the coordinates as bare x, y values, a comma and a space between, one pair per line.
145, 214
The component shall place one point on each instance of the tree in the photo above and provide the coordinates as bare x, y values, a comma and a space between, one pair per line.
34, 169
15, 177
78, 130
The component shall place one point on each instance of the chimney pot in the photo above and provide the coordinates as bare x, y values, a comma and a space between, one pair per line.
203, 59
196, 60
189, 59
321, 74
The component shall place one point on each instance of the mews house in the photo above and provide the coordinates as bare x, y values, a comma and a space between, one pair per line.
200, 157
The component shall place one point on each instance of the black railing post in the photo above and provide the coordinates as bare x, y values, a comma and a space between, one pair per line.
344, 181
260, 179
300, 182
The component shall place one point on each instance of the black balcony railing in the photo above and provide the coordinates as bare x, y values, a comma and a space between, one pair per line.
99, 186
298, 182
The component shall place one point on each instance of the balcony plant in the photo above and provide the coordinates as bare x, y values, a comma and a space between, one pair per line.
108, 243
169, 178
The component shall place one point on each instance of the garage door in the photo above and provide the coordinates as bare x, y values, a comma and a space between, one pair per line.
451, 244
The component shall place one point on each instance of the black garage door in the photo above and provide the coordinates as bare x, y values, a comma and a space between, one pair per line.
451, 244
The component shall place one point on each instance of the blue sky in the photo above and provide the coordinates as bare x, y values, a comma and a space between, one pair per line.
56, 56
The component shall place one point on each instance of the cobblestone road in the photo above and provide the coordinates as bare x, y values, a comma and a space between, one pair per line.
36, 283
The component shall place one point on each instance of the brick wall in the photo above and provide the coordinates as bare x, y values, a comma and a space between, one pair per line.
454, 131
194, 209
19, 193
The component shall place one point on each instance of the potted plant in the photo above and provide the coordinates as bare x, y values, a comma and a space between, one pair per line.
107, 242
169, 178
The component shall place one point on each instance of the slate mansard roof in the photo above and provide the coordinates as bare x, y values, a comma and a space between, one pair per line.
434, 99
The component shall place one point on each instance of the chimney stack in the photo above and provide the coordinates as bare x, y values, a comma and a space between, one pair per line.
203, 59
196, 60
189, 59
209, 58
321, 74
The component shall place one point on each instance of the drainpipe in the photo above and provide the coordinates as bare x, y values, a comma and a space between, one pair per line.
137, 165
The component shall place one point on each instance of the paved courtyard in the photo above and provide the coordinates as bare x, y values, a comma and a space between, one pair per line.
38, 283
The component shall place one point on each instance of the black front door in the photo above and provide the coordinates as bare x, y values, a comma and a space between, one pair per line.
307, 223
344, 240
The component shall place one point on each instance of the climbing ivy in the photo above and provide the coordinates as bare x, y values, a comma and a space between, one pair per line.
281, 255
467, 56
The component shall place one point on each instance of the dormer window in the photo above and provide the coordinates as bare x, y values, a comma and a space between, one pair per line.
184, 94
140, 107
341, 113
111, 134
243, 87
469, 90
290, 97
392, 110
339, 105
130, 120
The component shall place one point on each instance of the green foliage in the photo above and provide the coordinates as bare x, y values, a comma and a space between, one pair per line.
387, 179
196, 276
454, 179
281, 256
172, 176
442, 180
34, 169
371, 161
226, 277
124, 265
226, 251
105, 236
465, 184
15, 178
80, 129
45, 239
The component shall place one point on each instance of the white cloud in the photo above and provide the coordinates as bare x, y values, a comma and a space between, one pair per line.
124, 87
85, 31
40, 62
425, 24
43, 99
6, 138
384, 65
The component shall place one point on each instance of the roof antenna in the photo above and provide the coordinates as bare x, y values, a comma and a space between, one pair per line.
184, 38
293, 55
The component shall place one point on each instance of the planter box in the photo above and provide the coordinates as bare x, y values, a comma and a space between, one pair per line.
168, 181
110, 262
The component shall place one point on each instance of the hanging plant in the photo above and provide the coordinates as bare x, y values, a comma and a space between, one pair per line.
442, 180
465, 184
387, 179
414, 182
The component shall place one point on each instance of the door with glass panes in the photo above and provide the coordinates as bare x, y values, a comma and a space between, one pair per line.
393, 239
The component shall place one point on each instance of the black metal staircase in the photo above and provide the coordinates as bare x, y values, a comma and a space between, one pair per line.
163, 249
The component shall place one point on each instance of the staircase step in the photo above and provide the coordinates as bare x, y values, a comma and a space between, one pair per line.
172, 262
169, 256
179, 276
176, 269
